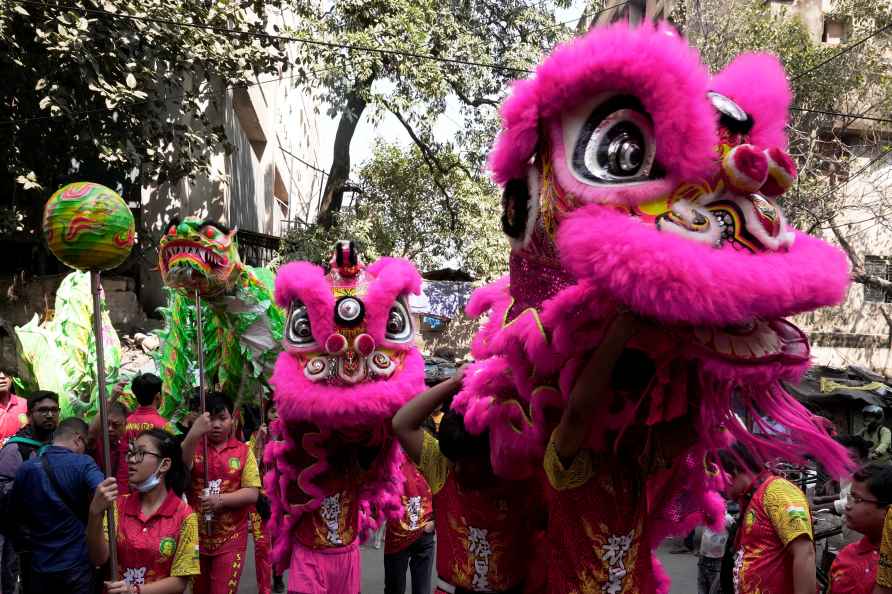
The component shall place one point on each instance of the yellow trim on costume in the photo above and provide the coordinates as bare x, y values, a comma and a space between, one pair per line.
523, 413
533, 311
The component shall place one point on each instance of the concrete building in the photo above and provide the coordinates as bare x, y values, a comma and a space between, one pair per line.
269, 180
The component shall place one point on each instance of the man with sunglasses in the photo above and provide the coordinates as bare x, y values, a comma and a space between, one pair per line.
855, 567
42, 418
50, 501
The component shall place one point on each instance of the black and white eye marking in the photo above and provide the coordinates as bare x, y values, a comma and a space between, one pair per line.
298, 331
731, 116
399, 323
726, 106
349, 312
615, 144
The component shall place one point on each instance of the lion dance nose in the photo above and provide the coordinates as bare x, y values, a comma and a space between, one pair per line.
747, 169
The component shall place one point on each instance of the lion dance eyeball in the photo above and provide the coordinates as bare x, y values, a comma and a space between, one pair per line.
88, 226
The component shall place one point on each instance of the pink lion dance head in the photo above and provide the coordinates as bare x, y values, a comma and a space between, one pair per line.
349, 363
634, 179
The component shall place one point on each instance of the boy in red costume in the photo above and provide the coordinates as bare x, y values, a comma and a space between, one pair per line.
855, 568
231, 491
147, 390
774, 540
409, 541
482, 543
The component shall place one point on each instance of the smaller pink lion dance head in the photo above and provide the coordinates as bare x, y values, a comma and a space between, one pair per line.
349, 363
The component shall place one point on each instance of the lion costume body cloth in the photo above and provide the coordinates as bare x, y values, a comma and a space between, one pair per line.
349, 364
633, 179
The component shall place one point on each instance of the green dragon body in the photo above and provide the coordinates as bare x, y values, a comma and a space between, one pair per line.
59, 354
242, 326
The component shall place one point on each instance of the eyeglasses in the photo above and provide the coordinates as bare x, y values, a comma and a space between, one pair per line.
856, 500
47, 412
137, 455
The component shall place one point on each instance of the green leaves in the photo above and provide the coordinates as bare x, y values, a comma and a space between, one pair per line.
401, 212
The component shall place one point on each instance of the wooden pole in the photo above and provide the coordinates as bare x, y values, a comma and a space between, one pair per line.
96, 289
199, 338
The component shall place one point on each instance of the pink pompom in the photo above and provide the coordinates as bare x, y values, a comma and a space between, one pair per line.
745, 169
781, 173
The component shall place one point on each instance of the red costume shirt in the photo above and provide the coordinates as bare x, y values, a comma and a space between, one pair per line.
161, 545
855, 568
594, 526
13, 416
417, 512
232, 466
336, 522
142, 419
777, 514
484, 538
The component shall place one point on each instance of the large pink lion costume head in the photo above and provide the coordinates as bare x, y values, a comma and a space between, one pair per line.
349, 363
634, 179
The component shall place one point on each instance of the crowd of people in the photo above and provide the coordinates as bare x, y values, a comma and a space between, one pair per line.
183, 510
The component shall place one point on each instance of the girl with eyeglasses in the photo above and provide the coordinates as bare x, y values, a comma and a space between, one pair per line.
157, 531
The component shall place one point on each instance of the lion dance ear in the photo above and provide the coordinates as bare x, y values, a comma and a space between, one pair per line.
766, 103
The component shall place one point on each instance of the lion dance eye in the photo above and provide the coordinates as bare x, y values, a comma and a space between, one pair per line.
298, 331
399, 324
615, 144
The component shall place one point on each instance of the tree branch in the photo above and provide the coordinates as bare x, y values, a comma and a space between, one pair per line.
858, 274
473, 102
433, 164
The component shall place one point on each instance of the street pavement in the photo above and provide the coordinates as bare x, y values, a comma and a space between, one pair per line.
682, 568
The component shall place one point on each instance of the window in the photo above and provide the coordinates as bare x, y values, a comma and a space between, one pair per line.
834, 31
880, 266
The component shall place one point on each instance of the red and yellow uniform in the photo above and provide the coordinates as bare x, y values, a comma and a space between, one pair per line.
263, 567
777, 514
884, 571
13, 416
144, 418
484, 538
164, 544
231, 466
417, 512
855, 568
594, 527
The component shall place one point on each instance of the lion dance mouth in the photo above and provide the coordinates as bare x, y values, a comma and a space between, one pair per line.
198, 255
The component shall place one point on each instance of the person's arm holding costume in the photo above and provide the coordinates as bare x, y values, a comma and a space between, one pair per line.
588, 398
200, 427
407, 422
97, 541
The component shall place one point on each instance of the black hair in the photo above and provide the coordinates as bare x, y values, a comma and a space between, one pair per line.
70, 427
119, 407
857, 443
39, 395
169, 447
878, 478
145, 387
737, 459
456, 442
216, 402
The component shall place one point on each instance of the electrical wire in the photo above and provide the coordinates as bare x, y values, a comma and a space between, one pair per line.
260, 35
842, 52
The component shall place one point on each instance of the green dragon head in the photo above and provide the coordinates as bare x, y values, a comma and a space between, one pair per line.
202, 255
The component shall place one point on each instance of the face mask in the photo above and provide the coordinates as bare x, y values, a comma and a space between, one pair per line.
150, 483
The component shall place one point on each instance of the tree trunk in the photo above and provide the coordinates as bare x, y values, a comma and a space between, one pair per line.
339, 173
